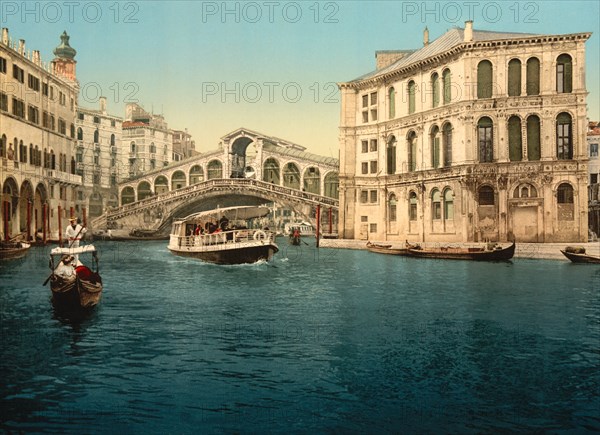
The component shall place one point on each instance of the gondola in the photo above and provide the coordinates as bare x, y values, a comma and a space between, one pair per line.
578, 255
79, 288
13, 250
488, 253
386, 249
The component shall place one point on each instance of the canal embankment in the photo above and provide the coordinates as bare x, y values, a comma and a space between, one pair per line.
546, 251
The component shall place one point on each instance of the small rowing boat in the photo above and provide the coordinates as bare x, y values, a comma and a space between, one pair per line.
386, 249
577, 255
13, 250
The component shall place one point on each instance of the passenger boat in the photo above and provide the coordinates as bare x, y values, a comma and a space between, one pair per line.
489, 253
221, 236
13, 250
386, 249
74, 286
578, 255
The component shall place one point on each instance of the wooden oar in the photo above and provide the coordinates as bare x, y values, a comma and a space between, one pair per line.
63, 257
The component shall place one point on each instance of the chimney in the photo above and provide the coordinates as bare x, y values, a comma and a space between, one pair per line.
468, 31
426, 37
21, 49
36, 57
5, 35
103, 105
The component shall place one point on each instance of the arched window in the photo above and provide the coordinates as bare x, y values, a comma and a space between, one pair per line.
271, 172
564, 137
486, 196
152, 148
565, 202
436, 205
52, 160
484, 79
514, 78
291, 176
412, 91
485, 128
132, 147
31, 156
447, 84
435, 88
96, 136
448, 205
80, 133
435, 146
214, 170
525, 191
412, 206
515, 145
331, 185
447, 143
564, 74
112, 140
533, 138
392, 212
391, 155
412, 151
533, 76
392, 103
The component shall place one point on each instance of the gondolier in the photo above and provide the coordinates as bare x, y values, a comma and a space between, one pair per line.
74, 233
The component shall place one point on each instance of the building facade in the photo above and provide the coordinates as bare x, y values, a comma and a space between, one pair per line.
476, 136
38, 100
183, 145
100, 159
148, 140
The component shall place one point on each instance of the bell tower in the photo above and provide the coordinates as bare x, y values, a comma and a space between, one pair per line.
64, 62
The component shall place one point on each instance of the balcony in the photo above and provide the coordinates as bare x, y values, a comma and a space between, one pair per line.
113, 149
132, 155
97, 148
79, 144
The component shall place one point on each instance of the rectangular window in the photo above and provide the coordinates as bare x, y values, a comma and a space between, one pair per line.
373, 114
593, 178
364, 196
18, 108
365, 168
62, 126
372, 228
373, 98
412, 211
373, 145
365, 146
112, 123
365, 100
80, 116
63, 192
365, 116
2, 65
33, 114
18, 74
45, 119
373, 166
3, 101
96, 120
33, 82
437, 211
62, 99
563, 141
52, 92
52, 123
593, 150
45, 89
364, 218
373, 196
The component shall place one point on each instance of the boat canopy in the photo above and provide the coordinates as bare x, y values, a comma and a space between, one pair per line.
231, 213
73, 251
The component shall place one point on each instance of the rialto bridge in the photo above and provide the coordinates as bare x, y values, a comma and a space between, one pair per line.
249, 168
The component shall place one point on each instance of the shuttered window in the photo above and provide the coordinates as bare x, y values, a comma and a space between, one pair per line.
515, 145
533, 138
514, 78
484, 79
533, 76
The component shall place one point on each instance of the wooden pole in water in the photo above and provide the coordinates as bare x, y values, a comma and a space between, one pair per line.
5, 212
330, 223
59, 226
28, 220
318, 223
44, 211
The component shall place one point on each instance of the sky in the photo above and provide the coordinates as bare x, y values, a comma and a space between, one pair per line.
269, 66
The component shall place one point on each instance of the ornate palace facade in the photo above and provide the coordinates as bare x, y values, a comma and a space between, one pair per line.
476, 136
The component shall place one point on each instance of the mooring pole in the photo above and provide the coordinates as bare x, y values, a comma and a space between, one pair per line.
318, 223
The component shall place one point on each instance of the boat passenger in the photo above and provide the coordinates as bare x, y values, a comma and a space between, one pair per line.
65, 268
223, 223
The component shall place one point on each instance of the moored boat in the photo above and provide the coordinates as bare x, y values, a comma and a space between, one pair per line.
578, 255
13, 250
74, 285
487, 253
386, 249
222, 237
